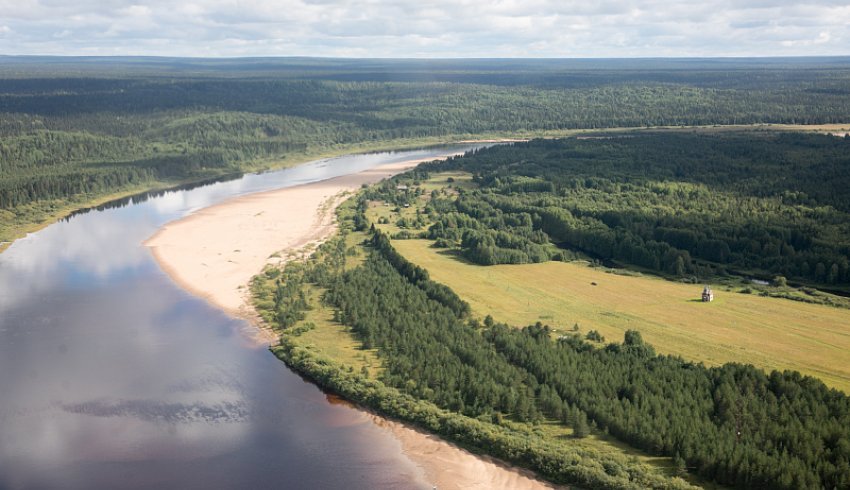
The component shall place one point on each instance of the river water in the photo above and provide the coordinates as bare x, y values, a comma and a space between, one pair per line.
111, 376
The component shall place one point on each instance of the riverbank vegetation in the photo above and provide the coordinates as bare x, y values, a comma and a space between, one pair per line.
75, 131
522, 434
734, 424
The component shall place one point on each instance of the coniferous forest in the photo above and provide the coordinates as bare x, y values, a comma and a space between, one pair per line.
73, 130
735, 425
684, 204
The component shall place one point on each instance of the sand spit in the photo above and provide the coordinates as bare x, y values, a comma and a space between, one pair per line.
216, 251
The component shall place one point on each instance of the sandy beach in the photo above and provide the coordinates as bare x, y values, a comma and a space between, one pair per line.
447, 466
215, 252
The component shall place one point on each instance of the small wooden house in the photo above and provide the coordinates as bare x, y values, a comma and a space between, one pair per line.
707, 294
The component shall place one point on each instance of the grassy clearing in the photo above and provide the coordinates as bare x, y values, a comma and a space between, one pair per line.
328, 339
605, 444
769, 333
766, 332
335, 341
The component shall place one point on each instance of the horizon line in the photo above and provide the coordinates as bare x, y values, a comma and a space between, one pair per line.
418, 58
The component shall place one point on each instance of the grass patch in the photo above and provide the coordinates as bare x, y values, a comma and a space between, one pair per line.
333, 340
769, 333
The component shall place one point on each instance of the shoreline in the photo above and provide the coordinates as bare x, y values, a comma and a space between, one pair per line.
447, 465
214, 252
69, 208
72, 206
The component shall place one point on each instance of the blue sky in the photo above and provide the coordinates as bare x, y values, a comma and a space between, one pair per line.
441, 28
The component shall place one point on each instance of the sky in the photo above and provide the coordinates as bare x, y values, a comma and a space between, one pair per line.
426, 28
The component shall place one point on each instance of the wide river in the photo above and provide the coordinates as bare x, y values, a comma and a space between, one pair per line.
111, 376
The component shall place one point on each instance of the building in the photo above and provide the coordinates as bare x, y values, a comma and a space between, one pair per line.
707, 294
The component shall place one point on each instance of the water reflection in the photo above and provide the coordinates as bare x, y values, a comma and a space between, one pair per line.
113, 377
96, 246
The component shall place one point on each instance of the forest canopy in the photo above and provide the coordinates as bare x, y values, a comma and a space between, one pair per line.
74, 129
733, 424
679, 203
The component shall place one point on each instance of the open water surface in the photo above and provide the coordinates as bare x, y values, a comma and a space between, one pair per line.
111, 376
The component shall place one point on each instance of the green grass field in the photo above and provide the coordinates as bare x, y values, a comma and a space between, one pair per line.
767, 332
770, 333
335, 341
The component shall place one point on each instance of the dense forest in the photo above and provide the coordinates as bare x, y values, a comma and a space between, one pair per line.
75, 129
439, 372
680, 203
734, 424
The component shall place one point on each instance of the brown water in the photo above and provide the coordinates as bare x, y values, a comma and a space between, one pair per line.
113, 377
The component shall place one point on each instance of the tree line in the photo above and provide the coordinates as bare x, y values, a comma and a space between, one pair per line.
684, 204
177, 123
734, 424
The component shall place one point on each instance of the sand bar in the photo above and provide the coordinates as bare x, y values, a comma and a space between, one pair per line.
216, 251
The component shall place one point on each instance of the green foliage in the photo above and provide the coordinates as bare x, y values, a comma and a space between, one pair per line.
130, 125
734, 424
581, 428
559, 463
439, 372
415, 335
279, 295
677, 203
419, 277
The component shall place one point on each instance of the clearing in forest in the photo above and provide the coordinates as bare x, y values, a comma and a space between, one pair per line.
769, 333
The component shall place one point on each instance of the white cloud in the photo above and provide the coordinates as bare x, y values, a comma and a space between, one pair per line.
400, 28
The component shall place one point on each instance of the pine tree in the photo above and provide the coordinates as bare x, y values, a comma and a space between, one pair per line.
581, 428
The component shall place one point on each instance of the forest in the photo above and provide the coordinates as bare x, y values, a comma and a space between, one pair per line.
688, 205
734, 424
76, 129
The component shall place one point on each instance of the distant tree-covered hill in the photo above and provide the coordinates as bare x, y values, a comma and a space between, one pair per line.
76, 128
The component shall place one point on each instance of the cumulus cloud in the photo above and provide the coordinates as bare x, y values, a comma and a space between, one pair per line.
426, 28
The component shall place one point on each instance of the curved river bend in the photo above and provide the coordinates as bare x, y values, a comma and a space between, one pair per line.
113, 377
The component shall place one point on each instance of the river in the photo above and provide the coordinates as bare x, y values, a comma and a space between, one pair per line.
111, 376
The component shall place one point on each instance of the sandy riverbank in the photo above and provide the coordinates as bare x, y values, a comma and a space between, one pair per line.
215, 252
447, 466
